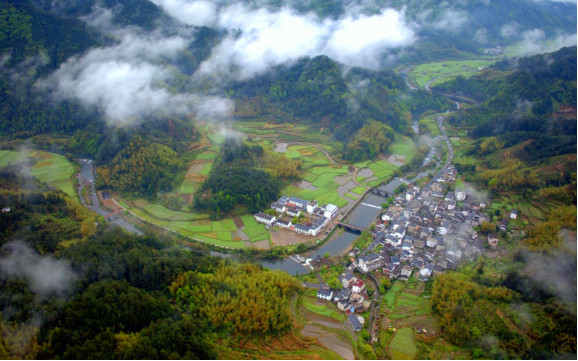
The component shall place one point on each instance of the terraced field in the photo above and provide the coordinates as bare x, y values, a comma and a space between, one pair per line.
406, 307
402, 346
323, 186
446, 70
50, 168
229, 233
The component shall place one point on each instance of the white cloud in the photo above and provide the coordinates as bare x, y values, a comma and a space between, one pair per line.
260, 38
481, 36
266, 39
451, 19
510, 29
45, 274
200, 12
125, 80
361, 40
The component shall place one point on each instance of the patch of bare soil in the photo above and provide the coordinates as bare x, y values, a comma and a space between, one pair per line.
242, 235
306, 185
281, 147
261, 244
287, 342
196, 168
285, 237
188, 198
329, 340
365, 173
238, 222
342, 179
396, 159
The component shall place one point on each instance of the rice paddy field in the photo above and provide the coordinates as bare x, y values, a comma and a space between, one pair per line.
322, 309
50, 168
321, 179
403, 145
446, 70
228, 233
406, 306
287, 132
402, 346
323, 186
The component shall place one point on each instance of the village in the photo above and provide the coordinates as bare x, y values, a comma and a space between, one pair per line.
423, 232
293, 207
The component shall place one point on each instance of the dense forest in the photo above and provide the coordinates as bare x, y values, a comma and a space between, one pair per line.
143, 168
320, 92
246, 176
524, 125
76, 293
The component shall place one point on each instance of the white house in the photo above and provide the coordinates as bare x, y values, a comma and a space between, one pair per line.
330, 211
369, 262
441, 230
513, 214
325, 294
301, 229
283, 224
297, 202
387, 216
347, 279
265, 218
279, 207
311, 206
293, 211
431, 242
406, 271
460, 195
358, 286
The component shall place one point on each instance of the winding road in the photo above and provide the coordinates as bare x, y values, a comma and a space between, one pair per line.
86, 177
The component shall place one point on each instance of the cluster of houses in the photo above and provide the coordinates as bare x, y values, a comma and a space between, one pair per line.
352, 299
427, 230
294, 207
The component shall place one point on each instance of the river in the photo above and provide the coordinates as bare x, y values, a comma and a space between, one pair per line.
362, 216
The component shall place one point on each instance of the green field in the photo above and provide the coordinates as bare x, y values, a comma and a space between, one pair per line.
391, 295
323, 310
309, 155
381, 169
50, 168
403, 145
446, 70
222, 233
322, 178
429, 125
402, 346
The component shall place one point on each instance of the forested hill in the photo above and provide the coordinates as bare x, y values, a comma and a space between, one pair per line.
523, 128
532, 98
71, 289
322, 92
454, 29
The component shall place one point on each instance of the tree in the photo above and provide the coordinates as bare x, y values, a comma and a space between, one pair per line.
334, 283
487, 227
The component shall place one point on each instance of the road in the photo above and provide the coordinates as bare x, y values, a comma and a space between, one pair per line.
87, 177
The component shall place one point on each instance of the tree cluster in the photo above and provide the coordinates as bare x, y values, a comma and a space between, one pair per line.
144, 168
238, 297
372, 139
242, 177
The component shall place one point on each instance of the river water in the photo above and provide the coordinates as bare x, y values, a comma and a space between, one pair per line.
362, 216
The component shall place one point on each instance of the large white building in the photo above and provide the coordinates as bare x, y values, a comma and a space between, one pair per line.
265, 218
330, 211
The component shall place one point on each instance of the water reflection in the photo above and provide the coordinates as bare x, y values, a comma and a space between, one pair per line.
366, 211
